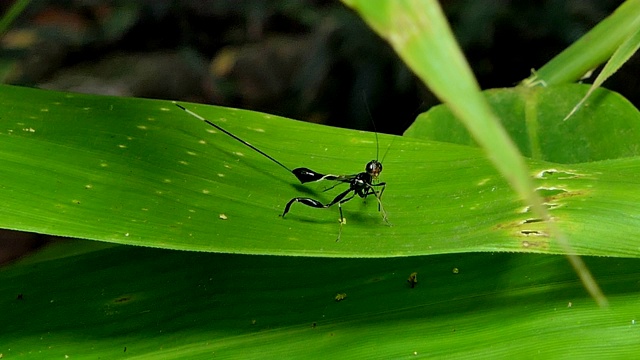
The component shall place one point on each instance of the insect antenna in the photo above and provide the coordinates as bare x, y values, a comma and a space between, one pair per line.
235, 137
377, 195
375, 131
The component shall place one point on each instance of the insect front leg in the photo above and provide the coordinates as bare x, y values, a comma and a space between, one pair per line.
342, 220
378, 194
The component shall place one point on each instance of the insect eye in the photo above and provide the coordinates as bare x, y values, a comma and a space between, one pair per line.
374, 167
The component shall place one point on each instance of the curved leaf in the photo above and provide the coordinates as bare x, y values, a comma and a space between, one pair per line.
143, 172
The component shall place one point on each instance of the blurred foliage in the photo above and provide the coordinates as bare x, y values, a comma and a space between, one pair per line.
310, 60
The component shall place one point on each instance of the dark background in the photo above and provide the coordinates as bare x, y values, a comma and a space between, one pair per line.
308, 60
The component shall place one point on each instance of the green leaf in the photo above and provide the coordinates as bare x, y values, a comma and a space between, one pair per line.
85, 300
144, 172
592, 49
619, 58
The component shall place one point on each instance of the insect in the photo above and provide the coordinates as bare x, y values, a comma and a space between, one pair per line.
339, 297
413, 279
361, 184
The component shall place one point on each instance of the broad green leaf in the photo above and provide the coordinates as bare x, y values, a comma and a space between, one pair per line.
607, 127
84, 300
144, 172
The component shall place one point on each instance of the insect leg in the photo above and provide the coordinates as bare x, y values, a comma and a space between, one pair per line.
342, 221
378, 195
340, 199
317, 204
340, 202
333, 186
305, 201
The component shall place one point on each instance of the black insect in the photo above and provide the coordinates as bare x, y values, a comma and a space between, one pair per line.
362, 184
